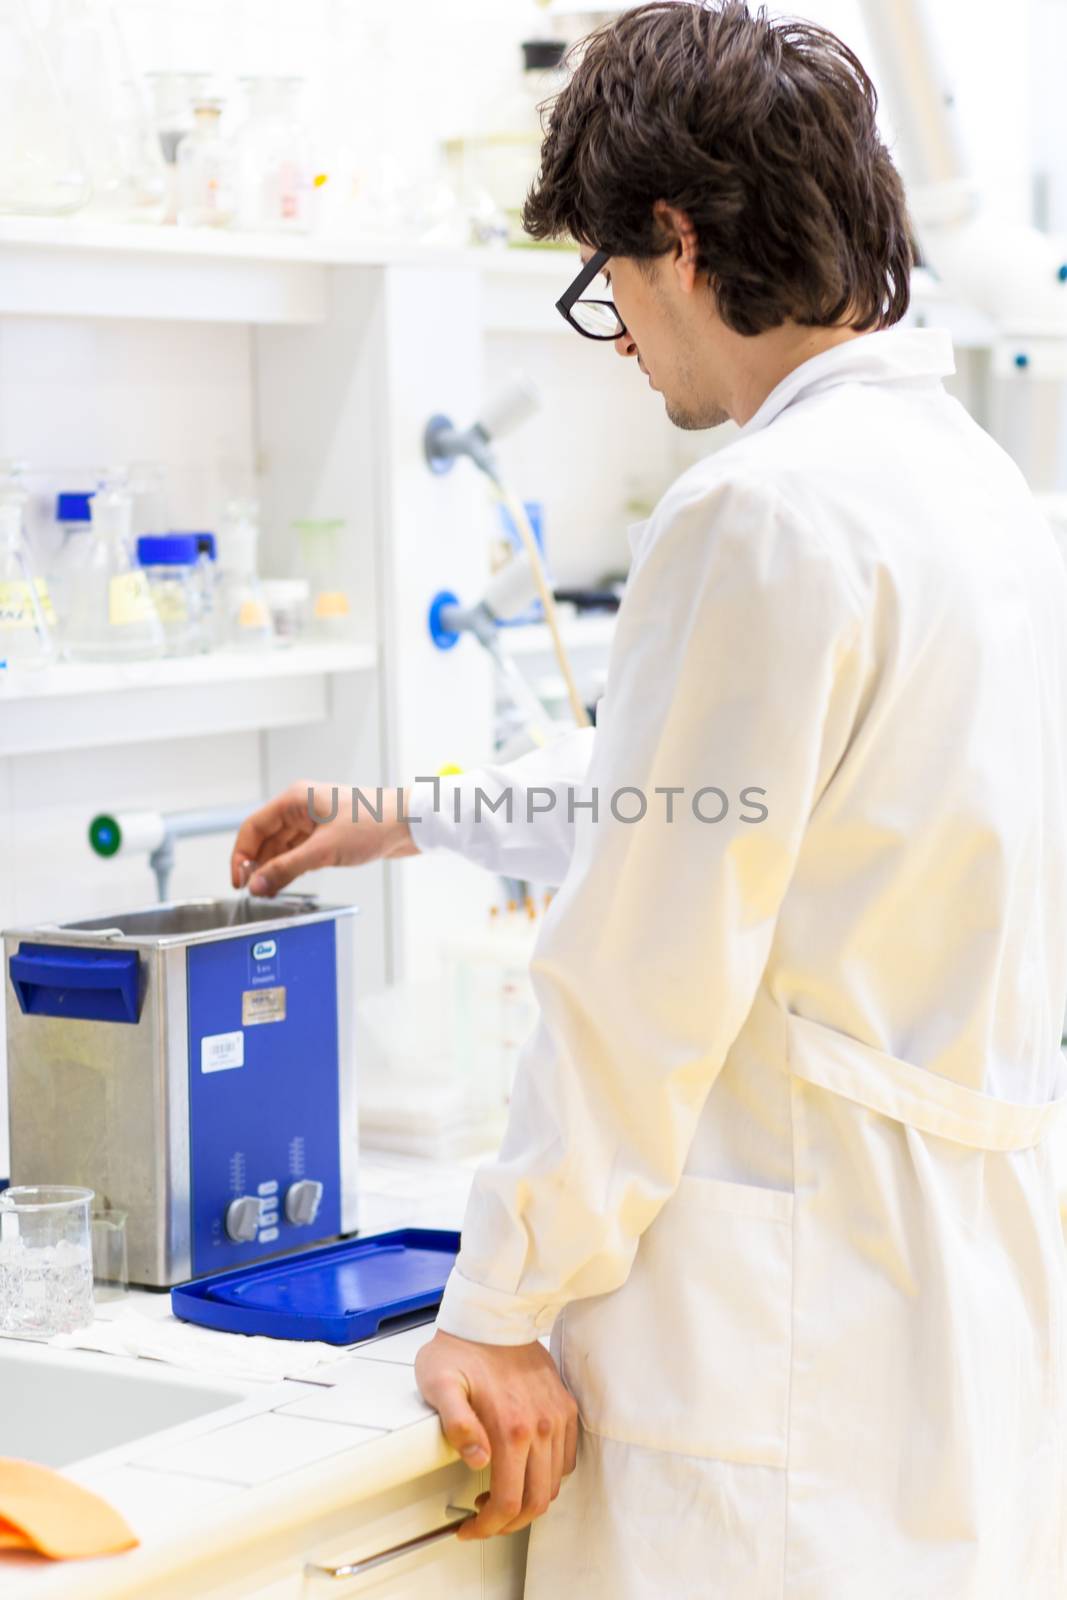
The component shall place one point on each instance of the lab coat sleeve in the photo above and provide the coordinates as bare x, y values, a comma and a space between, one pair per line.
514, 817
737, 667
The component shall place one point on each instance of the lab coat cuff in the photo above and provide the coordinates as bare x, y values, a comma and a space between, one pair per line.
473, 1311
429, 813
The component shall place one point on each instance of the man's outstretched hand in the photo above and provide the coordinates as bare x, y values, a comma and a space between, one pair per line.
505, 1405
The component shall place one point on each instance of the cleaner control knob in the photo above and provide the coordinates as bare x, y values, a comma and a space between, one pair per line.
242, 1219
302, 1202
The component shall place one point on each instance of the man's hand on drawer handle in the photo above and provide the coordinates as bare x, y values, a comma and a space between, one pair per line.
503, 1404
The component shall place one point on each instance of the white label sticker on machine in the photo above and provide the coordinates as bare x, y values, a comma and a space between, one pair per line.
221, 1051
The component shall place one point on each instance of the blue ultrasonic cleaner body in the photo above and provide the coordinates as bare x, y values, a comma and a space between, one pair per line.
193, 1064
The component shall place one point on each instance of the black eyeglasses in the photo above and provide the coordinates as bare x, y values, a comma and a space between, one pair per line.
595, 319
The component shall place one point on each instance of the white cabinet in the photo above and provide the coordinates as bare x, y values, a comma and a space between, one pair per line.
297, 1563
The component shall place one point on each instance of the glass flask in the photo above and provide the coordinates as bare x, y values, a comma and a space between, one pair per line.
321, 562
205, 171
42, 169
243, 616
111, 615
25, 607
109, 106
274, 176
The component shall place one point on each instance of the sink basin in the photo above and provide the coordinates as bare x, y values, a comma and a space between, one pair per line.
73, 1404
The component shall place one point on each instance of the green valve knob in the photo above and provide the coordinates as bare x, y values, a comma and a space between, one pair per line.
105, 835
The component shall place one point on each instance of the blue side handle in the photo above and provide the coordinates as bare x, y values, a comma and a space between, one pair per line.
56, 980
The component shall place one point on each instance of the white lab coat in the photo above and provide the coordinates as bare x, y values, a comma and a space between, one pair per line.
778, 1168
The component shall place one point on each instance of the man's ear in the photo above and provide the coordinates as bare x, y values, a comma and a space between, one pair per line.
680, 242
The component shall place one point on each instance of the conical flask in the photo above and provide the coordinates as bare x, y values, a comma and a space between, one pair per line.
25, 636
111, 615
42, 170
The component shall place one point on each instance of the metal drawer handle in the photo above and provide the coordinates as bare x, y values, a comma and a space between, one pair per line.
352, 1569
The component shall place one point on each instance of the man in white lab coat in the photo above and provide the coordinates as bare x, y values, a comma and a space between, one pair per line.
777, 1175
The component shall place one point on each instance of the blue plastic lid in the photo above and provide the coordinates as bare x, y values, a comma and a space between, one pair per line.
167, 549
73, 507
340, 1292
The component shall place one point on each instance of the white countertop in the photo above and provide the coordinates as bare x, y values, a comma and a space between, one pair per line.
288, 1450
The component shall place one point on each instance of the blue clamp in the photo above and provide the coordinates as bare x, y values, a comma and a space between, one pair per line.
444, 638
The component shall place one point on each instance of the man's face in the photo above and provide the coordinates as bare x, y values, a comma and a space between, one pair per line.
670, 334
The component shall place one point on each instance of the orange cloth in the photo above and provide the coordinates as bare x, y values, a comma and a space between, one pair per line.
43, 1511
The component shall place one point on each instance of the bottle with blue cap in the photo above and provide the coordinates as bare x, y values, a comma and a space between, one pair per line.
171, 564
110, 612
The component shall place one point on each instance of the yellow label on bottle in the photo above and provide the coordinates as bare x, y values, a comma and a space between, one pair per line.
44, 600
252, 615
129, 600
331, 603
170, 605
16, 605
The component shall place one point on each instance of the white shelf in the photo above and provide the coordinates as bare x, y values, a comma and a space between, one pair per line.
74, 706
214, 275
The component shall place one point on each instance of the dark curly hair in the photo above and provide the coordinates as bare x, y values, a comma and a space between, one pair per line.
763, 132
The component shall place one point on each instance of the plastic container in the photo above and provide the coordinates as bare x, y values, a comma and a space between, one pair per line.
244, 619
289, 601
26, 611
205, 171
46, 1263
320, 558
340, 1293
171, 562
274, 175
111, 615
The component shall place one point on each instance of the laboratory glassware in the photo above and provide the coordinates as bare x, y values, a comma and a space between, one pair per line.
170, 562
111, 1273
74, 524
206, 565
274, 175
46, 1263
111, 615
289, 600
42, 169
205, 169
320, 558
171, 96
109, 107
25, 606
501, 158
244, 620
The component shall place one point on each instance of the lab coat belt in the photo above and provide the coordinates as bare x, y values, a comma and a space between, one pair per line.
920, 1099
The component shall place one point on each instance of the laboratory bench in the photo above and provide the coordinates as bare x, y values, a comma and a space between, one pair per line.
288, 1478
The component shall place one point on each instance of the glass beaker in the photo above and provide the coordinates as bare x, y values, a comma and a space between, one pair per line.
111, 615
46, 1262
320, 558
42, 169
272, 151
25, 607
111, 1275
244, 620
